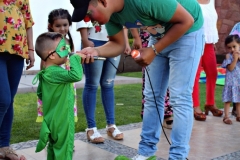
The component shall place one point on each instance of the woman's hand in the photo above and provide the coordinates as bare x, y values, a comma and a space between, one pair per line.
147, 56
127, 49
87, 43
137, 43
30, 61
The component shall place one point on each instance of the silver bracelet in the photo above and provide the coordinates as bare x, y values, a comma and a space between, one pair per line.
154, 49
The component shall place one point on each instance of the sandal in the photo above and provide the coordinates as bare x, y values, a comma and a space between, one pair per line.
95, 137
238, 119
199, 116
168, 122
226, 120
216, 112
9, 153
113, 132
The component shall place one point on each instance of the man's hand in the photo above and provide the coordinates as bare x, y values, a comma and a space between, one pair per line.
147, 56
89, 52
30, 61
83, 56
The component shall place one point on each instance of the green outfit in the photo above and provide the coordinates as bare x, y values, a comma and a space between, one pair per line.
56, 91
152, 16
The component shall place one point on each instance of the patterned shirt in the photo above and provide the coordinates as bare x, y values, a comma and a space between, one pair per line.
15, 17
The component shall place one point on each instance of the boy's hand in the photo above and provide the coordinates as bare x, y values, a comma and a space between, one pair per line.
83, 56
89, 52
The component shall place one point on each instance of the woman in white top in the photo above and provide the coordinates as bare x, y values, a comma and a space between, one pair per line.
98, 73
207, 62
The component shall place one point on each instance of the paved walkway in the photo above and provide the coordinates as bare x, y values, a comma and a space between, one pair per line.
210, 140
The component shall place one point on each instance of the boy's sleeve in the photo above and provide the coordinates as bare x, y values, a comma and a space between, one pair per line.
60, 75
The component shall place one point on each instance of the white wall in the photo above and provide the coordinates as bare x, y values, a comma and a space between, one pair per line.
40, 10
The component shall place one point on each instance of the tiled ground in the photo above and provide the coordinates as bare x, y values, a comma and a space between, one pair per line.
210, 140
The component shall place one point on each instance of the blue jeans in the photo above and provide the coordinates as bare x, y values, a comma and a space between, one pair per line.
104, 73
11, 67
175, 67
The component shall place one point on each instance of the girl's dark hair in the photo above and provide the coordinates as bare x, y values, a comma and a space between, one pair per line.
232, 38
61, 14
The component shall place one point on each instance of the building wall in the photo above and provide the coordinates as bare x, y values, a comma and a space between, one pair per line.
228, 15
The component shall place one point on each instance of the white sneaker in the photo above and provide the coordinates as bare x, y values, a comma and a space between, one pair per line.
139, 157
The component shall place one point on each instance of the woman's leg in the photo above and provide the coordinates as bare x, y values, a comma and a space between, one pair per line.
195, 94
11, 67
107, 90
198, 114
93, 72
209, 64
143, 86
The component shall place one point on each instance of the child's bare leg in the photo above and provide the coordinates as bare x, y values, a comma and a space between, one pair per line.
226, 109
226, 113
238, 111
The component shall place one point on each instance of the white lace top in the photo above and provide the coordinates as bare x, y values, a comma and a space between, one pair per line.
210, 22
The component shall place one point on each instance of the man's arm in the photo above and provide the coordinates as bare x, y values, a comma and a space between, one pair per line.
182, 22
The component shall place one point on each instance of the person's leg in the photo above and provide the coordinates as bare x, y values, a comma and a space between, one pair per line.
143, 86
107, 95
168, 112
209, 64
238, 111
234, 111
226, 119
11, 71
107, 90
6, 112
92, 73
11, 67
156, 82
198, 114
195, 94
145, 40
184, 57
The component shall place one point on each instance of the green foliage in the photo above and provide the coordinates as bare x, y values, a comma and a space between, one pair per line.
130, 42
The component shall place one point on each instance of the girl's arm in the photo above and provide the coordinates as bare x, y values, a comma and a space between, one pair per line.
231, 66
84, 35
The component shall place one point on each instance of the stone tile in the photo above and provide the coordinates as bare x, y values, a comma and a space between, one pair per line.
87, 151
209, 139
83, 151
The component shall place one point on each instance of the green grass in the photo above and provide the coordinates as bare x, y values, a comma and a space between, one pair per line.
25, 128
